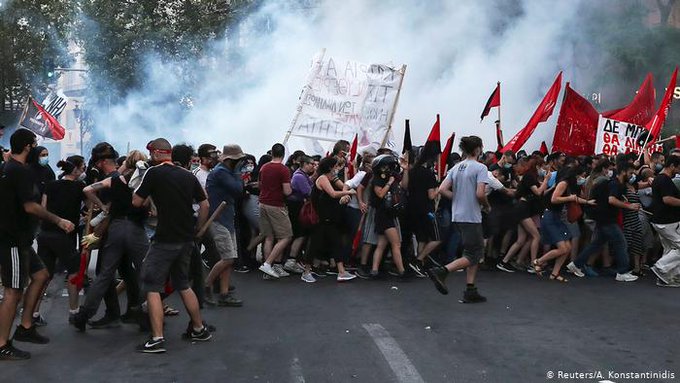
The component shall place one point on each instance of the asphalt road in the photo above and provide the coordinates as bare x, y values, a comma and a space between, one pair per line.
384, 331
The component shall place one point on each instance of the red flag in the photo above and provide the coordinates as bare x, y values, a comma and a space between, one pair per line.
677, 141
641, 110
352, 156
36, 119
576, 125
444, 158
542, 113
655, 124
433, 144
493, 101
544, 149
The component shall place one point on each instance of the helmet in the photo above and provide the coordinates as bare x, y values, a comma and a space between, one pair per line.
385, 163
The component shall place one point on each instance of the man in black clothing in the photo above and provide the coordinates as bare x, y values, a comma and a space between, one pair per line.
126, 242
422, 191
173, 190
17, 257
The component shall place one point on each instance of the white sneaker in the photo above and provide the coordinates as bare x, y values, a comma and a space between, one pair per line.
269, 270
576, 271
292, 267
627, 277
661, 283
279, 270
346, 276
307, 277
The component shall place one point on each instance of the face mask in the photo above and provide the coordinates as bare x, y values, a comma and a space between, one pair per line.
194, 166
658, 167
610, 174
632, 179
44, 161
581, 181
82, 176
541, 172
507, 165
248, 169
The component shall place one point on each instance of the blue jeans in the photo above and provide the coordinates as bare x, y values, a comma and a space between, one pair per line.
604, 234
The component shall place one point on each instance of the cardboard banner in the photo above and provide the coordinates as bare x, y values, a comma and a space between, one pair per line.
617, 137
344, 98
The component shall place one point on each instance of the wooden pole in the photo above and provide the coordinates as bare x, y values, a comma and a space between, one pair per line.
402, 71
318, 63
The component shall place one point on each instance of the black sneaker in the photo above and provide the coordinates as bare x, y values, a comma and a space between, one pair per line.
80, 320
9, 352
242, 269
394, 273
29, 335
104, 323
201, 336
232, 288
417, 267
472, 296
152, 346
438, 277
503, 266
229, 301
363, 273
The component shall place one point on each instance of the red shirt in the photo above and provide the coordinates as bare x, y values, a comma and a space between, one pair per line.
272, 177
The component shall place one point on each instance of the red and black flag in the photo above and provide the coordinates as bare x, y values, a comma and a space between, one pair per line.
544, 149
353, 156
493, 101
444, 158
36, 119
433, 146
407, 139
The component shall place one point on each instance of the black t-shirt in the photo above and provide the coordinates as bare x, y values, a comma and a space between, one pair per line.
16, 188
120, 196
663, 186
380, 182
421, 179
173, 190
604, 212
524, 188
64, 198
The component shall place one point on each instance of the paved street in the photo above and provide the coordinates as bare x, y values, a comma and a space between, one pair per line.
383, 331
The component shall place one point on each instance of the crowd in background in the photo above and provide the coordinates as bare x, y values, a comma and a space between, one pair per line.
183, 220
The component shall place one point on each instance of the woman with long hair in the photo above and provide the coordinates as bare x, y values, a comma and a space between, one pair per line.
555, 231
529, 192
64, 198
326, 234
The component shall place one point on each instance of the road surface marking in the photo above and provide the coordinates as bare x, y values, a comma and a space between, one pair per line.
296, 371
400, 364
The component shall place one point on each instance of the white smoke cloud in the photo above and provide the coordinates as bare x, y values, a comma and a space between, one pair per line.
455, 52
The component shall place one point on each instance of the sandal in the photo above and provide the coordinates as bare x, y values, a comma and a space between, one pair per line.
169, 311
537, 267
558, 278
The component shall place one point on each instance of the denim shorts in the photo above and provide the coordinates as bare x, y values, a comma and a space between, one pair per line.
553, 229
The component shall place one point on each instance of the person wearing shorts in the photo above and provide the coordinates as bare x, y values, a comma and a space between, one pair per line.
18, 260
224, 184
274, 220
173, 190
465, 185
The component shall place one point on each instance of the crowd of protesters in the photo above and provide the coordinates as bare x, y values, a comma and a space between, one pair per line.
180, 220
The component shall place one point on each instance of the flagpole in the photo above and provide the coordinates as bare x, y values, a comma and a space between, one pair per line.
308, 86
500, 130
402, 71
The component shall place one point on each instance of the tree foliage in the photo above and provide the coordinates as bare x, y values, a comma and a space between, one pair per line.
33, 36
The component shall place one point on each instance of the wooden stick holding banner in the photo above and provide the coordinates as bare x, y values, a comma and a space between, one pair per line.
402, 71
210, 220
644, 147
318, 63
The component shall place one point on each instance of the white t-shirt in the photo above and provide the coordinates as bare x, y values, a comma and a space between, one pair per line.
465, 177
494, 184
354, 184
202, 175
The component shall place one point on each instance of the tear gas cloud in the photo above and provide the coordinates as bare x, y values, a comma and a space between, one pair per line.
455, 51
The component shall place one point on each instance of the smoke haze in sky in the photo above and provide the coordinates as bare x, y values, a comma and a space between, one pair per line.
455, 51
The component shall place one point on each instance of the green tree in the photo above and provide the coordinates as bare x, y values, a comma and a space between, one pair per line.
33, 33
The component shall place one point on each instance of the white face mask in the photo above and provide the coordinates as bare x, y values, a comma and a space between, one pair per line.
82, 176
610, 173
